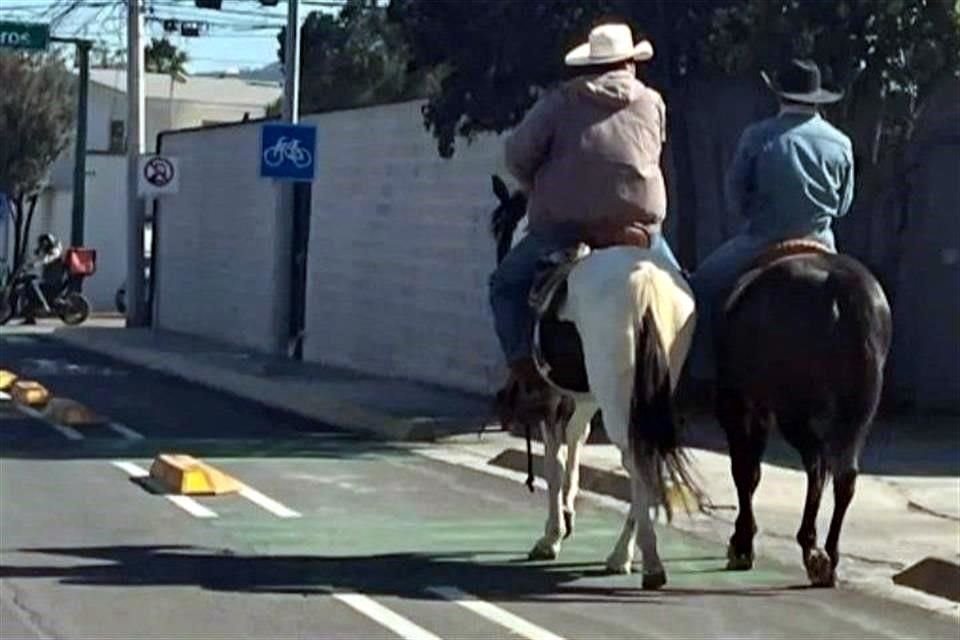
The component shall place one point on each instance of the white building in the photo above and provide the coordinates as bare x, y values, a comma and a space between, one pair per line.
170, 104
196, 101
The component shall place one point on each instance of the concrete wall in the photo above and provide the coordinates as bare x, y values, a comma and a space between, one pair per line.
399, 251
219, 242
106, 227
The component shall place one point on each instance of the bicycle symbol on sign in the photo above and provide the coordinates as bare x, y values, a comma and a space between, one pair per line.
287, 149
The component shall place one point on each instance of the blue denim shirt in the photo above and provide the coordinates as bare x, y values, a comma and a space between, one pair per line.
791, 177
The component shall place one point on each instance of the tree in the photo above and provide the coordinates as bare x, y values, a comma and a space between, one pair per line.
36, 117
162, 56
353, 59
499, 54
887, 53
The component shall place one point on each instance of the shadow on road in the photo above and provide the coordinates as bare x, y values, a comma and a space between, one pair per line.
405, 575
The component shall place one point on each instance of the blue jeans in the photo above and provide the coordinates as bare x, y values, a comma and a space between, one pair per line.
712, 280
511, 282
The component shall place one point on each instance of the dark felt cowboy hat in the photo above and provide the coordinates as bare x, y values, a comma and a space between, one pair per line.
799, 81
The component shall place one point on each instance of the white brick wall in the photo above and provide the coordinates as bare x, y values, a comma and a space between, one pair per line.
399, 251
219, 242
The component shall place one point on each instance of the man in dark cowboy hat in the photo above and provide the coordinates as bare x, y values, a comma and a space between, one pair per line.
791, 177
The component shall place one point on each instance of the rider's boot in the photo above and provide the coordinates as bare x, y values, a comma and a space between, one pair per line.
525, 393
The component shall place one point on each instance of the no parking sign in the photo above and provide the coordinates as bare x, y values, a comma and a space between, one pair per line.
158, 176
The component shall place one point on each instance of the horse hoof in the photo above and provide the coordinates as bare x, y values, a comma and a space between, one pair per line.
619, 568
568, 519
544, 550
653, 581
737, 561
820, 569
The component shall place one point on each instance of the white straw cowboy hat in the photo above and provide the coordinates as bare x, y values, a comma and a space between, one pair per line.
609, 43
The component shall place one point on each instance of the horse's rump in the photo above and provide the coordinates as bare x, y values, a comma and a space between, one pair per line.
636, 317
803, 328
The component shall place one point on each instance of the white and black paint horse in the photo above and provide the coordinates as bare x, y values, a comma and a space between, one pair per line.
634, 314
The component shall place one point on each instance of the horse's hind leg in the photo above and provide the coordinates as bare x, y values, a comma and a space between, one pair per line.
639, 530
577, 432
620, 560
548, 546
747, 440
795, 427
851, 427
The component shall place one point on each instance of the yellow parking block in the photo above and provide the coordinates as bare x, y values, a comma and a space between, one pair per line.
7, 378
30, 393
183, 474
71, 413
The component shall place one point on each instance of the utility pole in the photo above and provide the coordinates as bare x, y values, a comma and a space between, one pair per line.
80, 159
291, 70
136, 146
289, 331
80, 166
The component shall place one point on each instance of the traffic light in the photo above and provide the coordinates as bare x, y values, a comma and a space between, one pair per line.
208, 4
190, 29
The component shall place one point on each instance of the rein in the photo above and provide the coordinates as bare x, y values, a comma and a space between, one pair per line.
530, 477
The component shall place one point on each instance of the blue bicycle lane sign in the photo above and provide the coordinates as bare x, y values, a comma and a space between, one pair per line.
288, 151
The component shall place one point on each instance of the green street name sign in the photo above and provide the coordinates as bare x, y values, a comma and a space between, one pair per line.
24, 35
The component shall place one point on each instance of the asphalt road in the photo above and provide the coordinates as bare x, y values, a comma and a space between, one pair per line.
357, 539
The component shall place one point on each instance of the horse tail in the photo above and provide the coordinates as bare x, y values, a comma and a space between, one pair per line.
863, 310
653, 430
863, 320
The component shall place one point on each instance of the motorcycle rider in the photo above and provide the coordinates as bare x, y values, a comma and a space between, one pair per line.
48, 257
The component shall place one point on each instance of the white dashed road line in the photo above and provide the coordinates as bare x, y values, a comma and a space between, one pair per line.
385, 617
268, 503
495, 614
125, 431
67, 432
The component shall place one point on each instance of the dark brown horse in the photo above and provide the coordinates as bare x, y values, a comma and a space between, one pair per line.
801, 337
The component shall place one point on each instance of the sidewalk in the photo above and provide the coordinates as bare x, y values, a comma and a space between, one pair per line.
907, 506
387, 408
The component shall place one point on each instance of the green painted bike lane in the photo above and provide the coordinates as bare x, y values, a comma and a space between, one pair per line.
391, 525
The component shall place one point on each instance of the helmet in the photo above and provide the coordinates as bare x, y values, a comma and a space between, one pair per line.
46, 242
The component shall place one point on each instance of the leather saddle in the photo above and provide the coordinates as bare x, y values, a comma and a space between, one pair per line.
557, 348
787, 248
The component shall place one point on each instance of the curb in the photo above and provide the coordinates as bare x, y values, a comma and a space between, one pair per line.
313, 406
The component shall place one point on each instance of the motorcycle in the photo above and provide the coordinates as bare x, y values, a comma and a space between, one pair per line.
23, 296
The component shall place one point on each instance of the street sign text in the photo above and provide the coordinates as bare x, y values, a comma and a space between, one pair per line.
24, 35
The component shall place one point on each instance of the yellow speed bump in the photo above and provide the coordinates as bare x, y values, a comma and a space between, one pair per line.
30, 393
182, 474
71, 413
7, 378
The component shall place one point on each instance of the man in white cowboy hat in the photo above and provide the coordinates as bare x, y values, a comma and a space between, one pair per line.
588, 155
791, 177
